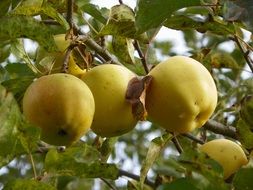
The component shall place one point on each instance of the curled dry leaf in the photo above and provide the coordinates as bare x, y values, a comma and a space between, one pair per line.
136, 94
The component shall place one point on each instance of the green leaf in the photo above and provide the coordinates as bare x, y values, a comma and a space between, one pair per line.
4, 51
16, 137
10, 119
37, 9
181, 183
18, 69
238, 11
221, 60
107, 147
79, 161
151, 14
29, 137
215, 26
245, 135
249, 85
22, 26
19, 78
198, 169
27, 184
243, 179
18, 85
154, 150
3, 74
94, 11
4, 7
18, 49
123, 48
246, 111
121, 22
199, 162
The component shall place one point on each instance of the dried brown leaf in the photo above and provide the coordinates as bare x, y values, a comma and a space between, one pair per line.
136, 94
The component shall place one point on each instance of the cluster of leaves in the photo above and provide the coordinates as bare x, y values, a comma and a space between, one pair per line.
206, 26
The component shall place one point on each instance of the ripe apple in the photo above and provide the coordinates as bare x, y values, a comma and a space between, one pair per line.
182, 94
227, 153
60, 104
113, 114
57, 58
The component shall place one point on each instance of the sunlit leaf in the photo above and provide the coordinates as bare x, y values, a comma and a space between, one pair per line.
151, 14
22, 26
27, 184
18, 49
39, 8
121, 22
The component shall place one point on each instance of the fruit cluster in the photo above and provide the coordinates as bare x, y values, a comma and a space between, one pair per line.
180, 97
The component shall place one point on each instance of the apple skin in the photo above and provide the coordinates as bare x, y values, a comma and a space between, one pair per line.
227, 153
182, 94
60, 104
113, 114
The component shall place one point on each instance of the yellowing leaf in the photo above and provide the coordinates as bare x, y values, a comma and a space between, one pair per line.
123, 48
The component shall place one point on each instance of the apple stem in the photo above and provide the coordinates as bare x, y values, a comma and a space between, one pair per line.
135, 177
66, 59
246, 52
177, 144
33, 165
141, 55
192, 137
108, 184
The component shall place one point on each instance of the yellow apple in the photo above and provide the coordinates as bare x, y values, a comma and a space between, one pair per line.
55, 63
182, 94
227, 153
113, 114
60, 104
